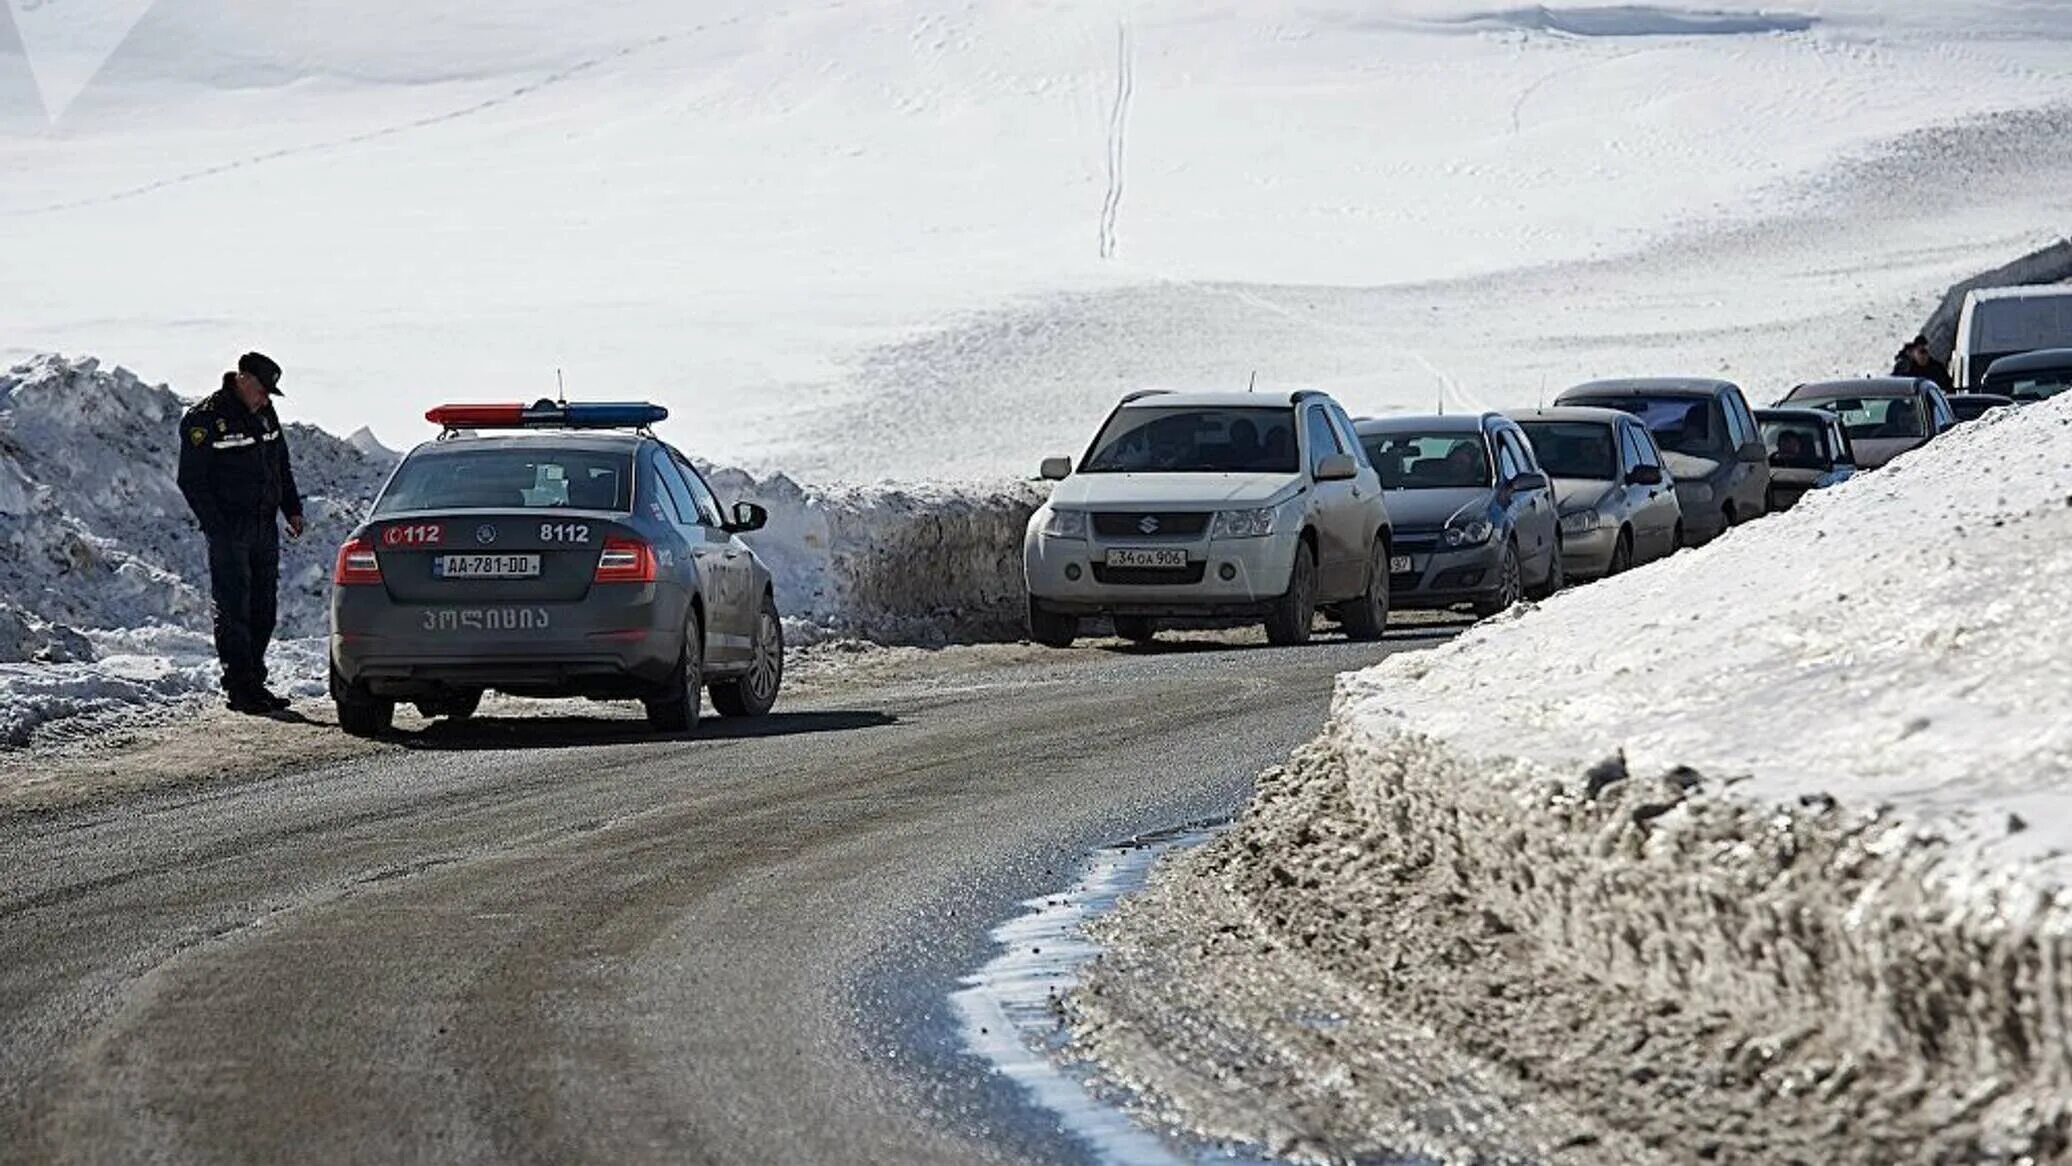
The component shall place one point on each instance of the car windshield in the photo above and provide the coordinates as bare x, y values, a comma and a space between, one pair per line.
1429, 461
2034, 386
511, 479
1685, 425
1573, 449
1179, 440
1797, 445
1876, 418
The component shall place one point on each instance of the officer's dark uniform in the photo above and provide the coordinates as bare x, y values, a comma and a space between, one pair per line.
234, 472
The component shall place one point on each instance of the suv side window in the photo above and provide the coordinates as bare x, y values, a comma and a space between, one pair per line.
1323, 439
1347, 439
708, 502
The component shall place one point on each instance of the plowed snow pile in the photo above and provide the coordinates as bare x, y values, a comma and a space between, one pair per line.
104, 595
1755, 855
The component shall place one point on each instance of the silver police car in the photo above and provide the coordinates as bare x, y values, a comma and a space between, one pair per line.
552, 550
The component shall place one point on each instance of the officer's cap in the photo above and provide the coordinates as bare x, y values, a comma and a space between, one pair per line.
261, 367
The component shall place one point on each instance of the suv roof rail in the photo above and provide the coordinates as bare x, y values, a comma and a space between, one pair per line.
1140, 394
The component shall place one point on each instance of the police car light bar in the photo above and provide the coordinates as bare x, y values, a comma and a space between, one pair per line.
549, 415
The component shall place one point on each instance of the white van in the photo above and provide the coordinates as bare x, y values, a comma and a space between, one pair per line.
2002, 321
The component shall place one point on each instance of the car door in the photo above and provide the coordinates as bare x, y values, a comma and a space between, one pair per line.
1340, 510
1750, 479
1367, 490
1941, 416
1534, 515
719, 568
1655, 510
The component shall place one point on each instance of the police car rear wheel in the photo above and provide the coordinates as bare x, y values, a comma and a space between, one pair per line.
361, 713
675, 709
453, 706
755, 694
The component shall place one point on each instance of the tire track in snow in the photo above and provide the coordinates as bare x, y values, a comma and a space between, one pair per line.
1118, 136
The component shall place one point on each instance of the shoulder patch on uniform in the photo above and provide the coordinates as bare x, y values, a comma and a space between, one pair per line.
197, 435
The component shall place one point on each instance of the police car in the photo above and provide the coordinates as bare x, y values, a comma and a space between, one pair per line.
552, 550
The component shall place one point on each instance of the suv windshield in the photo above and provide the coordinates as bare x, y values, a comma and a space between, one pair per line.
1876, 418
511, 479
1573, 449
1685, 425
1149, 439
1429, 461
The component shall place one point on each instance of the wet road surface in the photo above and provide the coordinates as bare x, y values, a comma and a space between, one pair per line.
553, 940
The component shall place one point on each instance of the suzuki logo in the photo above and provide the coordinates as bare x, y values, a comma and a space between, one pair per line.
485, 534
1149, 524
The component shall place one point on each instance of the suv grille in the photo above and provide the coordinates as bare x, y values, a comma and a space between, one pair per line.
1147, 524
1150, 576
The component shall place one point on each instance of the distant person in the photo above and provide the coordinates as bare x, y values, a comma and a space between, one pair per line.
234, 473
1915, 360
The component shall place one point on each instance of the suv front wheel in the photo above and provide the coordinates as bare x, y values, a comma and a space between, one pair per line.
1366, 617
1295, 611
1051, 629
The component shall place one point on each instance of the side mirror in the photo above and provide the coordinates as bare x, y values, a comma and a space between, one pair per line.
748, 517
1056, 469
1644, 476
1755, 453
1339, 467
1528, 481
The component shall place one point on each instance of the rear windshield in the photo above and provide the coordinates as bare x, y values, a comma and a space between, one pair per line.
1429, 461
1797, 445
1200, 441
1877, 418
1573, 449
2031, 386
512, 479
2020, 324
1680, 424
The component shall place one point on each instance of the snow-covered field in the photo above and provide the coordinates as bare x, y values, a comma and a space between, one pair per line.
1764, 847
919, 239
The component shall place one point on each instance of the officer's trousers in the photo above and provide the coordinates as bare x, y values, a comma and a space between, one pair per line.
244, 576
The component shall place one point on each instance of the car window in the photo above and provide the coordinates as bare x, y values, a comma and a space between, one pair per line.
683, 508
1511, 448
1740, 422
1684, 425
1428, 461
1797, 445
1323, 440
1877, 418
511, 478
1944, 415
1575, 449
1179, 439
2029, 387
1629, 446
707, 501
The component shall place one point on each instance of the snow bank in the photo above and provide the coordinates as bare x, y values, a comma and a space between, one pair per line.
1762, 848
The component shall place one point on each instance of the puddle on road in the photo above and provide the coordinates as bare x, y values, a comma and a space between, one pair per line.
1007, 1014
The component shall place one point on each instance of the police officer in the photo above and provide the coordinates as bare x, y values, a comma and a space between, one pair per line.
234, 472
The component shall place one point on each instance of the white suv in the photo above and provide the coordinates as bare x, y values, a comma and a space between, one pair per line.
1212, 506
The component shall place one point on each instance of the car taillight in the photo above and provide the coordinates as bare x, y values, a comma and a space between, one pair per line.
356, 564
626, 560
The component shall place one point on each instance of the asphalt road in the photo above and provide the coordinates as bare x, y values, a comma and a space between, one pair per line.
553, 940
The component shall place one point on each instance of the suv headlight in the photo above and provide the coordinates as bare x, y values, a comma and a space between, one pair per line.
1581, 522
1243, 523
1065, 524
1468, 532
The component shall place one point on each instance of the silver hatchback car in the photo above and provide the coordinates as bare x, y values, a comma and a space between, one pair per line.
583, 558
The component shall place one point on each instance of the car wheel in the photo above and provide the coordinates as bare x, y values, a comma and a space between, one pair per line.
675, 709
1622, 554
1510, 585
1137, 629
1557, 576
1366, 617
1051, 629
1731, 517
360, 712
1295, 612
1678, 544
754, 694
454, 706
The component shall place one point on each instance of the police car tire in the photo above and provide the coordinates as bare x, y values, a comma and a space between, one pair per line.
453, 708
675, 709
738, 698
361, 715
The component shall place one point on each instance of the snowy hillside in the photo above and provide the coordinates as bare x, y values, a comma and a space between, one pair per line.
925, 238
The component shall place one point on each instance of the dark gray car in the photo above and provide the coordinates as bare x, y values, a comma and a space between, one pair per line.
1473, 513
551, 564
1618, 503
1709, 444
2031, 376
1883, 416
1809, 450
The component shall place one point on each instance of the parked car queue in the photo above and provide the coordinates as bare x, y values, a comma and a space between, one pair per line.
1193, 508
